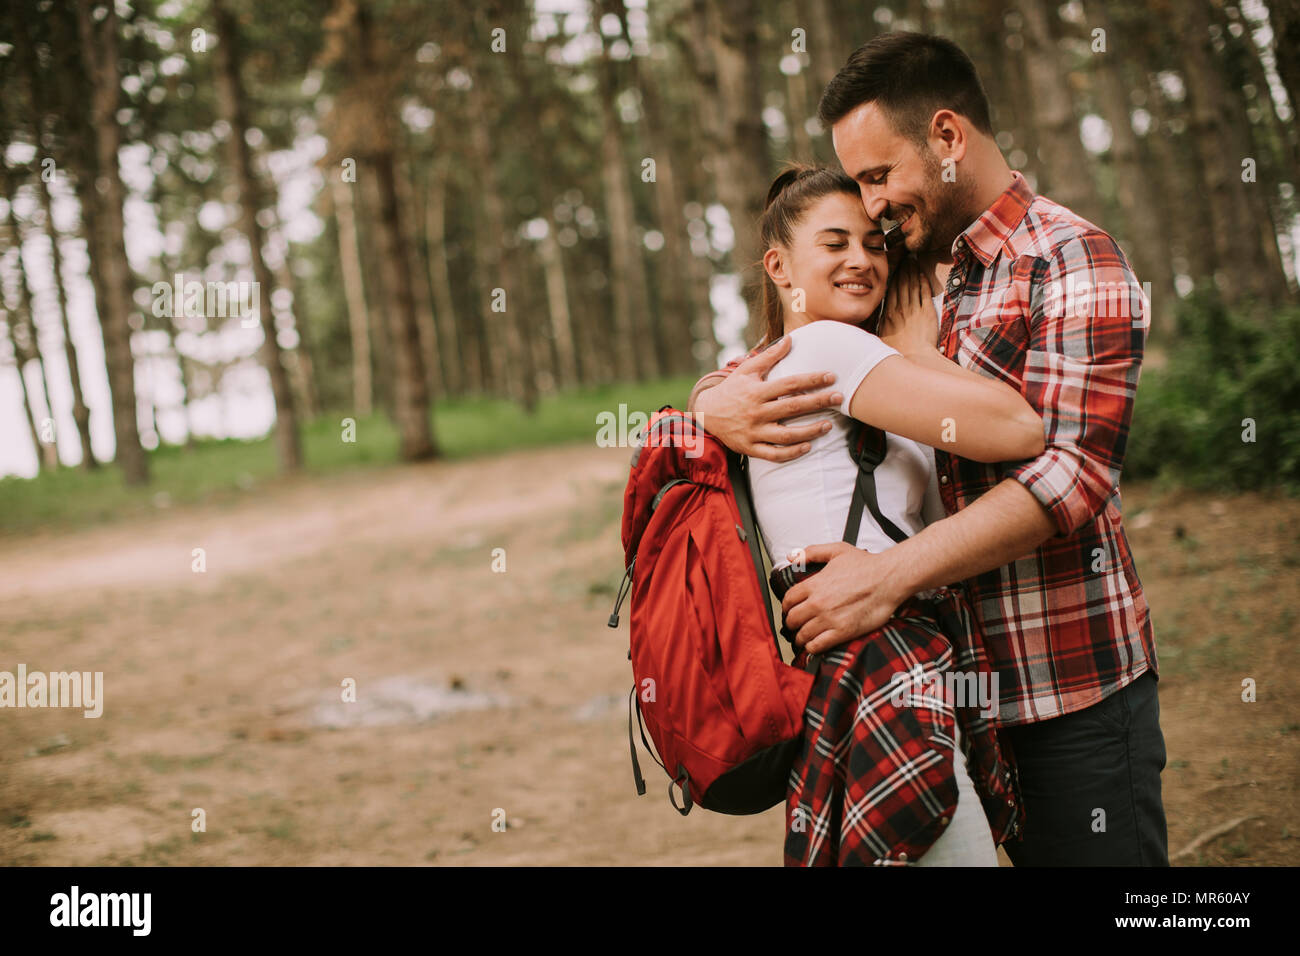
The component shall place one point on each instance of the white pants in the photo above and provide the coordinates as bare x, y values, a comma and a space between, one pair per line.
967, 840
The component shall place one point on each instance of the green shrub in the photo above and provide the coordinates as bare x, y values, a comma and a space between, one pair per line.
1225, 370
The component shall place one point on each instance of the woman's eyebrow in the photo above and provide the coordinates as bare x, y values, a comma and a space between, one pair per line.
877, 231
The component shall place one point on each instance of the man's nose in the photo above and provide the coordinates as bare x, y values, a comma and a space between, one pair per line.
875, 204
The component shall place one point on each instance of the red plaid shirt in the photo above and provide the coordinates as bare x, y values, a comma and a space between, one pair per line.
1046, 302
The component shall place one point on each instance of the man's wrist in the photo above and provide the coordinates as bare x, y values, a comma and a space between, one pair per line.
902, 576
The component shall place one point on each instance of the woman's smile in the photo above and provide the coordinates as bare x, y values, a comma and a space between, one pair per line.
855, 287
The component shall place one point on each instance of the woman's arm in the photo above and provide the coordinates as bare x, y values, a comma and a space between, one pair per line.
974, 417
923, 396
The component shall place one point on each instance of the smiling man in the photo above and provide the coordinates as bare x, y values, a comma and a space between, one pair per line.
1039, 544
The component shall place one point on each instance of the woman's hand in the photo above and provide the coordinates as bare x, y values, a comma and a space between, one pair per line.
909, 323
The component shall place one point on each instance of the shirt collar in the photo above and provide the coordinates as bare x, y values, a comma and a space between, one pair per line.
986, 236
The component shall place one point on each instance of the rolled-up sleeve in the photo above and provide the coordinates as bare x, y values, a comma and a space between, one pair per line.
1087, 332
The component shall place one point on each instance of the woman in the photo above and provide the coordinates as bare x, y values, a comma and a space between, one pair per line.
880, 778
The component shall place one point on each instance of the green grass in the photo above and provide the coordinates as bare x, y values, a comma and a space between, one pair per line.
224, 471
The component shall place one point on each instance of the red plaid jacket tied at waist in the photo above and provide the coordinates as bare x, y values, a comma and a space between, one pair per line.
874, 782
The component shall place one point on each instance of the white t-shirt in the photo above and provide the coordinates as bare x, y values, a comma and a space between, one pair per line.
806, 501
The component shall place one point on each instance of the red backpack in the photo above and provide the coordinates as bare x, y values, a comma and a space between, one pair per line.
724, 712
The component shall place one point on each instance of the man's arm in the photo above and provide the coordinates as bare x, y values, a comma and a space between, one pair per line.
858, 591
1004, 524
1081, 369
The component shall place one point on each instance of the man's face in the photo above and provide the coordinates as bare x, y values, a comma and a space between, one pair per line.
900, 180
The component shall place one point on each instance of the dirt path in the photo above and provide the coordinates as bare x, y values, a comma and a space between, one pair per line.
484, 694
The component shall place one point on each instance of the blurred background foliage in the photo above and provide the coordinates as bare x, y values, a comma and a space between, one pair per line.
392, 172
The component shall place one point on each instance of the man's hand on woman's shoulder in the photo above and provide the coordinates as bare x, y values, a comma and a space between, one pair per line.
742, 410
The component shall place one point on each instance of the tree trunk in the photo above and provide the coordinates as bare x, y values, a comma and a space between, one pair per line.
1148, 241
379, 300
675, 302
512, 365
20, 361
1064, 163
354, 292
1272, 143
411, 405
99, 52
302, 371
636, 351
740, 161
434, 380
169, 325
462, 360
1284, 17
80, 413
40, 110
230, 96
27, 343
1238, 251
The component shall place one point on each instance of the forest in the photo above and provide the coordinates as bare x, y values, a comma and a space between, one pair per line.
412, 204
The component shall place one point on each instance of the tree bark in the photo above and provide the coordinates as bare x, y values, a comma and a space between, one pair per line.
27, 347
1238, 250
636, 354
411, 405
512, 365
727, 62
1064, 165
80, 413
355, 295
1148, 241
40, 110
676, 302
462, 359
230, 97
430, 355
99, 53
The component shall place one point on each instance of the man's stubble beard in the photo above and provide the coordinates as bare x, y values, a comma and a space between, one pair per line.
948, 207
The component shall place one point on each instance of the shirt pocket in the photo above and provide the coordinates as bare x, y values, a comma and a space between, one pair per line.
995, 348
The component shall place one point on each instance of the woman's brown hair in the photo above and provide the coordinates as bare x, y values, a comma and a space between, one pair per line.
791, 194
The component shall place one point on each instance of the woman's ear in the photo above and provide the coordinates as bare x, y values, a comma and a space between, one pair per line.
774, 266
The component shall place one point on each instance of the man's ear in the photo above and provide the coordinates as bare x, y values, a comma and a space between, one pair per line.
948, 135
774, 266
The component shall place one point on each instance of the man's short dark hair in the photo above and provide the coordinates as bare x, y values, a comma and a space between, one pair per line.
912, 76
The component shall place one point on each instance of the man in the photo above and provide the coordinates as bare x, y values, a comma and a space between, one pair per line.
1045, 301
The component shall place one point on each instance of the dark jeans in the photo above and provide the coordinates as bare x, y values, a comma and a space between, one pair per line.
1108, 758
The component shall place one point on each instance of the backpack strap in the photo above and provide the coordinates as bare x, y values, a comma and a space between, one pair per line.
870, 442
738, 468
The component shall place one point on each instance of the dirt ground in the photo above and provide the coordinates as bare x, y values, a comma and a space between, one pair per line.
485, 694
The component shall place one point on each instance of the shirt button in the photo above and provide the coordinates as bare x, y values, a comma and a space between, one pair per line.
1010, 802
902, 857
943, 479
954, 282
943, 821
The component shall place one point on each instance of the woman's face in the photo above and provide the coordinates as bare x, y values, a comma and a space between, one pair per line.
836, 258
